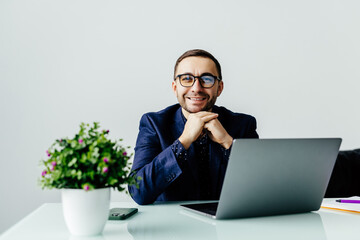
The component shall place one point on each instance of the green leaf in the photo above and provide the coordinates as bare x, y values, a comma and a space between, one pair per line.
113, 181
72, 162
79, 175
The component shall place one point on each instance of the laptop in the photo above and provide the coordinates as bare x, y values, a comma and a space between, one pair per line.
273, 176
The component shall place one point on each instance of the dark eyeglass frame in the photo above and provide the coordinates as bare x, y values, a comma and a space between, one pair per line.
199, 77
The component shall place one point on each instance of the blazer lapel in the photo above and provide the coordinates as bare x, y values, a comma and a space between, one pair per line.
178, 125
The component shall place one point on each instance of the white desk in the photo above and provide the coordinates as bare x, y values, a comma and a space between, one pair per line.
169, 221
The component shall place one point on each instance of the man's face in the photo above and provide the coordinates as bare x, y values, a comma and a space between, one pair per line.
196, 98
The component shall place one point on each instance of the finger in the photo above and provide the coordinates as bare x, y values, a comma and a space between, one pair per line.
209, 125
213, 122
209, 117
215, 127
203, 114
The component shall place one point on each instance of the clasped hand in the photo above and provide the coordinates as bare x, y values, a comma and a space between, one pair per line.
195, 125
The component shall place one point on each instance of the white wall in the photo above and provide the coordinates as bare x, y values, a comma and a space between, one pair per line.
294, 65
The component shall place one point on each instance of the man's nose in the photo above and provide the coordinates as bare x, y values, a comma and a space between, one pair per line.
197, 86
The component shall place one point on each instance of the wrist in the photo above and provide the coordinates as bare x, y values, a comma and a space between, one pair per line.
185, 142
228, 142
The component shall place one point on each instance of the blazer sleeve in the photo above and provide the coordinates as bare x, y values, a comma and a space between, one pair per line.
251, 130
153, 162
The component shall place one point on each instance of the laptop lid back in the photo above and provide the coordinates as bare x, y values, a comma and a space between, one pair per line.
276, 176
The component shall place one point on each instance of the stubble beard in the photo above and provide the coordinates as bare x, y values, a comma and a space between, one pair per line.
208, 107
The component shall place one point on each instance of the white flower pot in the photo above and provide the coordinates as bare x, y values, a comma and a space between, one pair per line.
86, 212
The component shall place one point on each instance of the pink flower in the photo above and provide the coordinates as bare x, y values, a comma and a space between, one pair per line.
124, 153
105, 169
81, 141
107, 131
44, 173
106, 160
47, 152
86, 187
53, 164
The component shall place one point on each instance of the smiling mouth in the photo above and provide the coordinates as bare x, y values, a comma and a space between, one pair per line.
196, 98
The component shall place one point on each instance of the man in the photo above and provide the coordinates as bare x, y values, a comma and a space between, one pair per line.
182, 151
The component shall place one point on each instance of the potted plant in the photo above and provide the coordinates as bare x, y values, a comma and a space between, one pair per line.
85, 167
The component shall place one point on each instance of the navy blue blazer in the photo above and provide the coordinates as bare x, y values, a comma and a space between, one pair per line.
166, 178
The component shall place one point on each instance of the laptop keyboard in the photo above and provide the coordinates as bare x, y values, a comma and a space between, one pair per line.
209, 208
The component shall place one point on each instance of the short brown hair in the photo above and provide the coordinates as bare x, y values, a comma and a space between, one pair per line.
199, 53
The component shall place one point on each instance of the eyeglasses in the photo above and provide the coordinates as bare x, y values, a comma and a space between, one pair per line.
206, 80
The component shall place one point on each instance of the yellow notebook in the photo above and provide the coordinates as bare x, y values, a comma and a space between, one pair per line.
330, 203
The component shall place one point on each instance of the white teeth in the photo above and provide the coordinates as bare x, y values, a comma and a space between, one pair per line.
197, 99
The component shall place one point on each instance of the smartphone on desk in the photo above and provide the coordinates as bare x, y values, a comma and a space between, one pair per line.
121, 213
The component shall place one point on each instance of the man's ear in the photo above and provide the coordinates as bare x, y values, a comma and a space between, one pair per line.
173, 86
220, 88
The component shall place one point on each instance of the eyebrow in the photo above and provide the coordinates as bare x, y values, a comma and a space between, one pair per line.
203, 74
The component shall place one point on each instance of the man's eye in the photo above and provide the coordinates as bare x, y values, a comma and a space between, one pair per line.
186, 78
207, 79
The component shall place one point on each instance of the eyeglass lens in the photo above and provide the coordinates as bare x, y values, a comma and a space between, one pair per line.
206, 81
